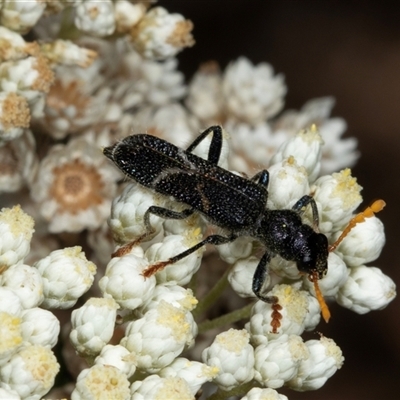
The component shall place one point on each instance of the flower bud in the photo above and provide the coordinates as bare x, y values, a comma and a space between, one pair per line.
93, 325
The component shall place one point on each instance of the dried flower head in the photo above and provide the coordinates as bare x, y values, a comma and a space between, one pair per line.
13, 46
14, 116
74, 187
70, 104
95, 17
160, 35
127, 15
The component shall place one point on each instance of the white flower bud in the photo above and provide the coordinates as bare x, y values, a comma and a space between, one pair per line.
10, 302
252, 93
172, 294
28, 77
9, 394
253, 144
93, 325
180, 272
366, 289
324, 360
68, 53
205, 99
27, 284
95, 17
21, 16
155, 387
40, 327
233, 252
277, 362
160, 35
30, 372
182, 226
264, 394
284, 268
127, 212
16, 229
67, 275
299, 311
11, 336
124, 282
306, 148
288, 182
363, 243
338, 152
334, 279
233, 355
337, 196
127, 14
193, 372
241, 276
101, 382
119, 357
160, 336
14, 46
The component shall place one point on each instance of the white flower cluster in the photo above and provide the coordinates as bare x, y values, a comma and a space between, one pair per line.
246, 98
67, 87
271, 354
293, 174
155, 32
28, 330
134, 335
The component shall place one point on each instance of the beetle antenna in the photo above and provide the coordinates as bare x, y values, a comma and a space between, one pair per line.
369, 212
326, 315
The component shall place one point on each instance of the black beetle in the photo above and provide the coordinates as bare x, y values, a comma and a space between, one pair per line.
232, 202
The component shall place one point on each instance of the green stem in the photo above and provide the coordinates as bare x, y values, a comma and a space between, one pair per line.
68, 30
237, 391
212, 295
128, 318
230, 318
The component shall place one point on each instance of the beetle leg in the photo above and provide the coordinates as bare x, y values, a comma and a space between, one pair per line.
300, 206
258, 282
212, 239
259, 277
164, 213
261, 178
214, 151
160, 212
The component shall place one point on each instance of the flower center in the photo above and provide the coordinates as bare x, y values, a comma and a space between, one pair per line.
62, 96
77, 186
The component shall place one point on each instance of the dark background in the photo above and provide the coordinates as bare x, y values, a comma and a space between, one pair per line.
350, 50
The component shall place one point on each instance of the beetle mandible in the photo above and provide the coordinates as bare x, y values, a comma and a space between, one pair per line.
234, 203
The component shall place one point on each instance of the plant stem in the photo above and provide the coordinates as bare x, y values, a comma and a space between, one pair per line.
239, 390
226, 319
212, 295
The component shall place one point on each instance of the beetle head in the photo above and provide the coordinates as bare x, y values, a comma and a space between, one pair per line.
314, 255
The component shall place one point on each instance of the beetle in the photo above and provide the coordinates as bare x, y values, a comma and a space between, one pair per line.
232, 202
